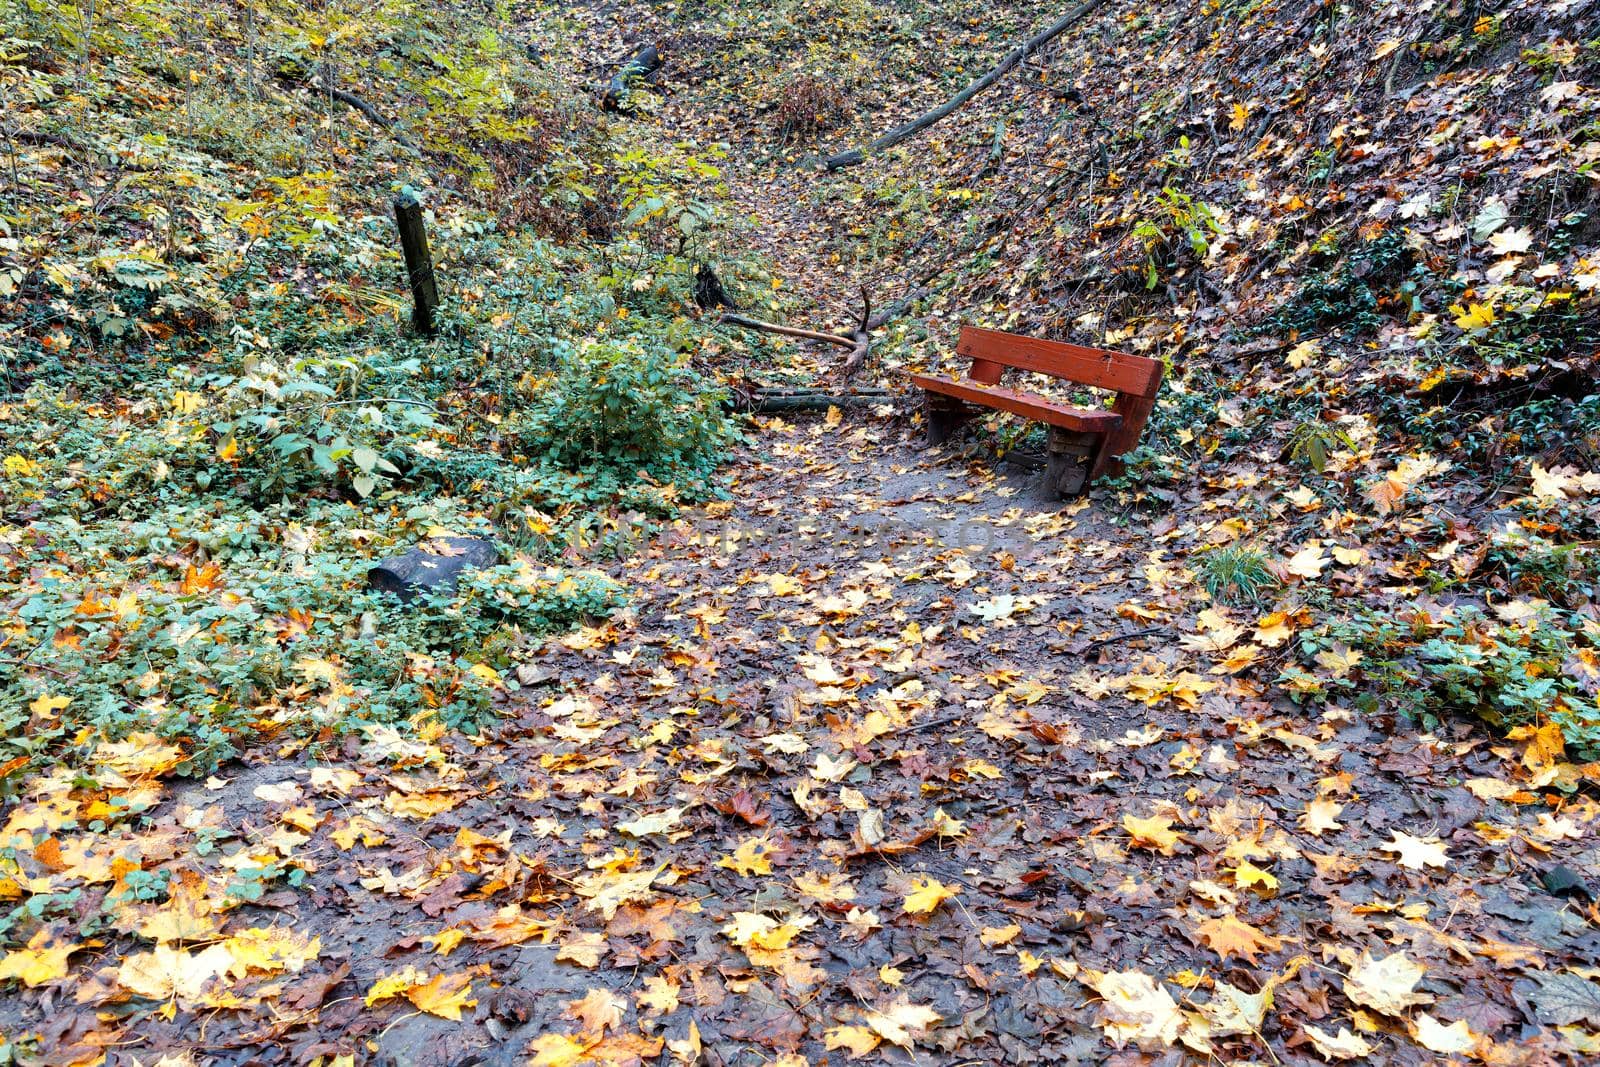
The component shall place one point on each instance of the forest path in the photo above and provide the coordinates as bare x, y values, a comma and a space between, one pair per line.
858, 768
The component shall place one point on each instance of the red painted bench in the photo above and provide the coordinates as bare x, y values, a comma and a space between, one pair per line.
1083, 442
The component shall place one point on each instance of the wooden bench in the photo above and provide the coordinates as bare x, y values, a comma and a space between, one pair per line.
1083, 442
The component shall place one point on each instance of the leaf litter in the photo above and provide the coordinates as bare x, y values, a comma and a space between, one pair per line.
839, 814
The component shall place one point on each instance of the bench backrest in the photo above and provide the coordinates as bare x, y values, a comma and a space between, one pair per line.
991, 351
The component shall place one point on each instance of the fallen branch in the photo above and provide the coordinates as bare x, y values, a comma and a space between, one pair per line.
351, 100
945, 110
858, 341
42, 139
1115, 638
642, 64
863, 335
730, 319
772, 401
25, 665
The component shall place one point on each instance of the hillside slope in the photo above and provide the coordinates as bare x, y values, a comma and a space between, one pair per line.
787, 740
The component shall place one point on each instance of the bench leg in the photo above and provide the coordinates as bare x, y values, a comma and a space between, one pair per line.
1072, 461
944, 416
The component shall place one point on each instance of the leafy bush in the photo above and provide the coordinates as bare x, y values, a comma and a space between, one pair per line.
1531, 671
1178, 221
218, 422
255, 622
629, 407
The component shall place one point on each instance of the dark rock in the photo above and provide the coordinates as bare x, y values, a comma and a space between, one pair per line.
433, 567
1563, 881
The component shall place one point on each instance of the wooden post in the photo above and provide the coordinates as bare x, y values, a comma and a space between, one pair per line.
944, 415
1072, 459
419, 262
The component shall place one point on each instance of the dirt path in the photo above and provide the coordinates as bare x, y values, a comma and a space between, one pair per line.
854, 772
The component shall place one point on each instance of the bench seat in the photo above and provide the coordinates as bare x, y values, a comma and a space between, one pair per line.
1081, 442
1021, 402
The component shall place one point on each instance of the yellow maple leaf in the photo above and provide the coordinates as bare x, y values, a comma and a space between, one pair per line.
1248, 875
1309, 562
188, 914
271, 950
584, 948
1274, 629
598, 1010
1135, 1007
1474, 316
660, 995
394, 985
359, 829
750, 929
926, 894
750, 858
827, 888
661, 822
999, 935
1490, 788
560, 1050
44, 960
857, 1040
901, 1021
783, 585
1303, 353
139, 755
1346, 1045
167, 973
1453, 1040
443, 995
445, 941
1241, 115
1154, 832
1320, 816
606, 890
947, 825
688, 1049
46, 706
419, 805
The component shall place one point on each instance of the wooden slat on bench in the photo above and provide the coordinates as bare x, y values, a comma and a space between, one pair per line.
1097, 367
1018, 402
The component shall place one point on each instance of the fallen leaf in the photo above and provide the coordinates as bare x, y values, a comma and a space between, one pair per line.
598, 1010
925, 895
1229, 936
1134, 1007
1387, 985
1417, 853
1154, 832
1431, 1034
1346, 1045
44, 960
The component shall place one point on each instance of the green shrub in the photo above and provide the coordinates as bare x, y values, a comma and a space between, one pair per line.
1508, 674
247, 623
628, 407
